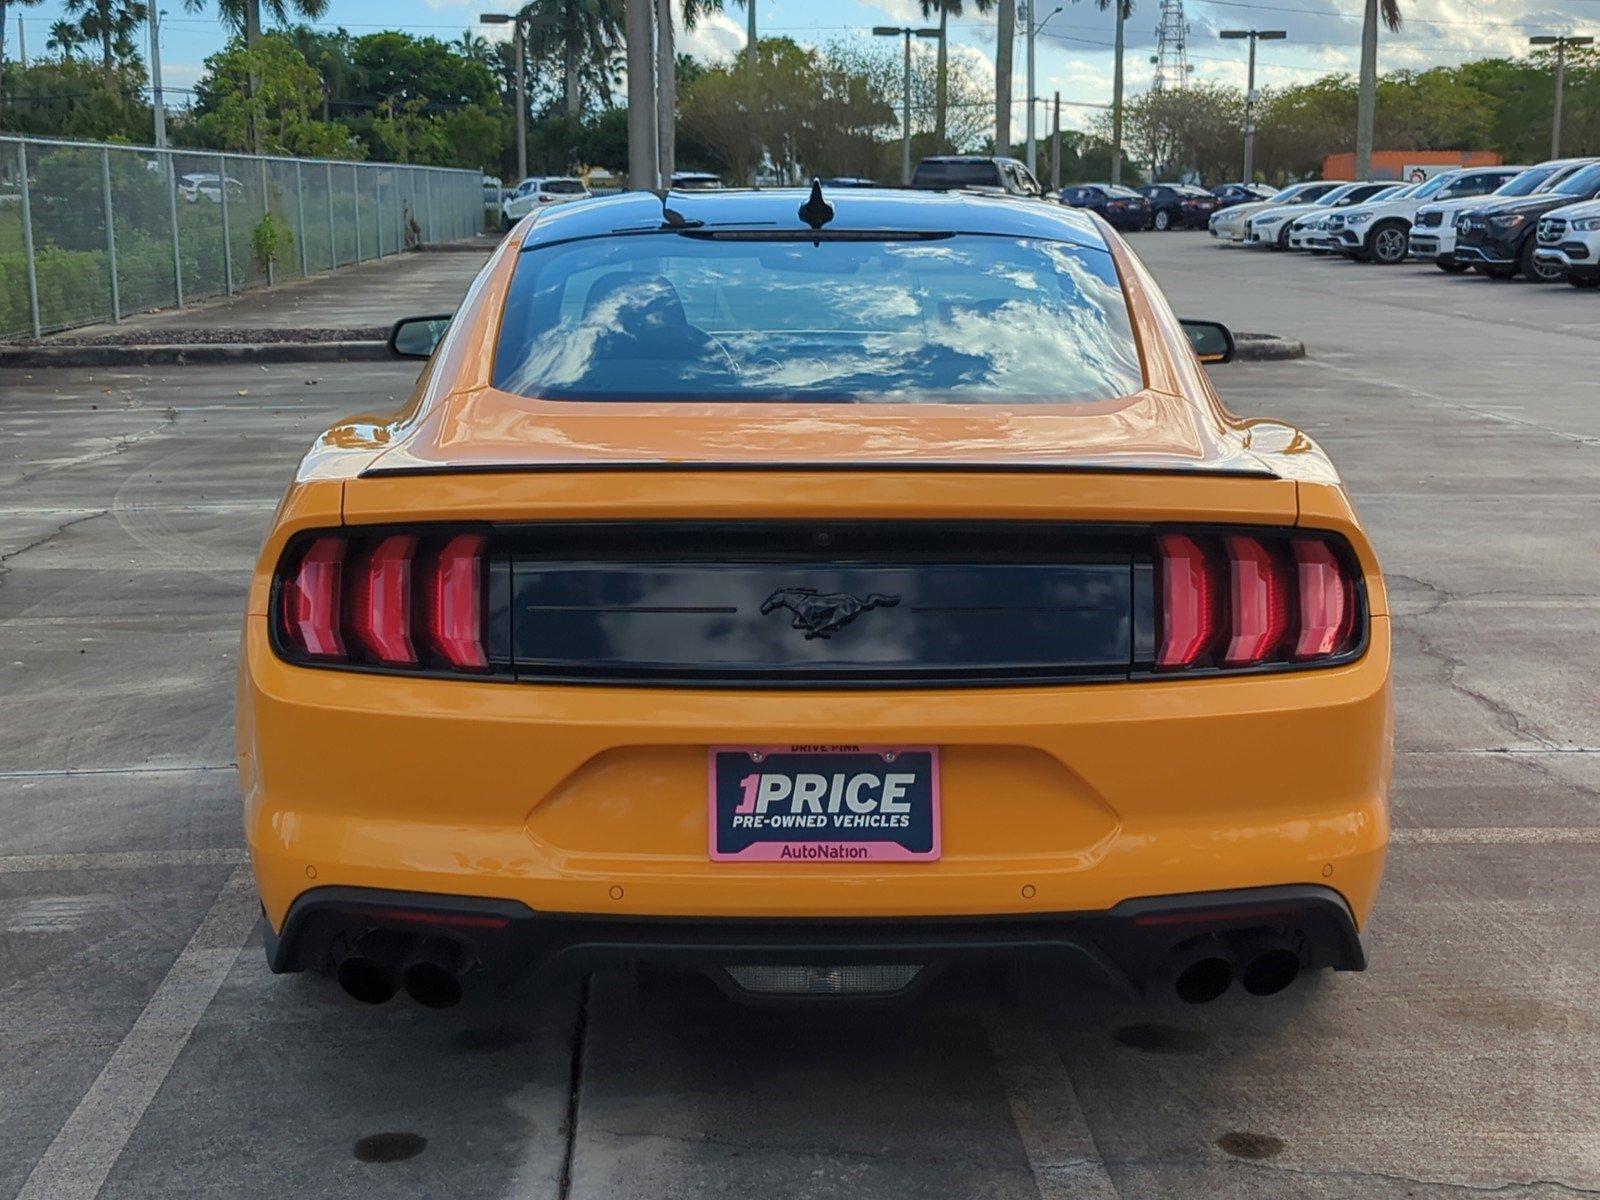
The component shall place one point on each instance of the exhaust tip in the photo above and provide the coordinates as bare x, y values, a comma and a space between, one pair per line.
1269, 972
1203, 980
366, 979
432, 984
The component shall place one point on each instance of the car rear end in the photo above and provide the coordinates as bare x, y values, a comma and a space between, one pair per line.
1127, 212
817, 698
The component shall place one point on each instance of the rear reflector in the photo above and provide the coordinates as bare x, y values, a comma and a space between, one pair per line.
402, 600
1246, 600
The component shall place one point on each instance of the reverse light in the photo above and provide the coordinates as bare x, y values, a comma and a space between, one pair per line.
401, 600
1244, 600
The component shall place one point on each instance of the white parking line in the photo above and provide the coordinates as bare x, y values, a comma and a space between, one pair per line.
125, 860
74, 772
77, 1162
1044, 1107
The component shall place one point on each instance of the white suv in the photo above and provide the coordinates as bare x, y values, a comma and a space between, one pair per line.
1569, 240
1270, 226
537, 193
1380, 231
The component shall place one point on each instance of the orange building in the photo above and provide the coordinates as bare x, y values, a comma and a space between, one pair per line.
1400, 164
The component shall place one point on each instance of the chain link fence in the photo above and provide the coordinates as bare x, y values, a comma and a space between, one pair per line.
92, 232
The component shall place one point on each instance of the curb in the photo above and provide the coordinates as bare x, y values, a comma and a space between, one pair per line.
200, 354
1265, 347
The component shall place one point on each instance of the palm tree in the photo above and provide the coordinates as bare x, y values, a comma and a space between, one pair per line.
109, 22
587, 34
66, 39
245, 15
667, 76
1367, 94
1005, 43
476, 49
946, 9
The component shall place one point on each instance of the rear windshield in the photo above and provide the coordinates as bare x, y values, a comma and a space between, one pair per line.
956, 174
966, 319
562, 187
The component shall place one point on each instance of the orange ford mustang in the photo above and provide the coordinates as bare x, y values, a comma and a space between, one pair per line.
814, 590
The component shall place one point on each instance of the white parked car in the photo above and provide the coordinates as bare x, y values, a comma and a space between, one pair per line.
1569, 241
1317, 231
205, 185
1380, 230
538, 192
1433, 233
1229, 224
1270, 226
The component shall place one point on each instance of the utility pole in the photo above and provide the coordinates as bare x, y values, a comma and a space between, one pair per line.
1265, 35
1033, 29
1560, 42
22, 43
1116, 99
1055, 148
520, 24
1004, 47
1367, 90
644, 167
157, 104
907, 33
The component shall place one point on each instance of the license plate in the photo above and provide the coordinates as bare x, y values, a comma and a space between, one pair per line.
830, 804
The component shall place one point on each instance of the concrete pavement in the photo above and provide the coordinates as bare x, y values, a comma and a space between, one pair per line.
152, 1053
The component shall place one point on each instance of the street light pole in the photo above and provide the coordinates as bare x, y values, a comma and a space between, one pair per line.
907, 33
157, 103
520, 23
1265, 35
1561, 43
1033, 29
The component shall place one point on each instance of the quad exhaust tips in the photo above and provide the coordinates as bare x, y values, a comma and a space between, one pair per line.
379, 963
1203, 969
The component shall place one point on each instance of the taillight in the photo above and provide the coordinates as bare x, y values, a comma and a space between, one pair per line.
399, 600
1244, 600
454, 602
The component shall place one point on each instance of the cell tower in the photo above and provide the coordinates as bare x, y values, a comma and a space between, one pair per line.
1171, 57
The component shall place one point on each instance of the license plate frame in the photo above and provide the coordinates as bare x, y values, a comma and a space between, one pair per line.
837, 829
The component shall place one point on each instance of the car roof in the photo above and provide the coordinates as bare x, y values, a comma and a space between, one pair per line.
875, 210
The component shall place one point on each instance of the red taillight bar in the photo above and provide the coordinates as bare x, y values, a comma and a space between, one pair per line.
310, 602
1243, 600
386, 599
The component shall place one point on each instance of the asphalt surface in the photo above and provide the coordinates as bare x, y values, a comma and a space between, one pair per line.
149, 1052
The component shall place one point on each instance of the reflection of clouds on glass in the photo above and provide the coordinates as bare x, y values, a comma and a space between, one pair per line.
974, 318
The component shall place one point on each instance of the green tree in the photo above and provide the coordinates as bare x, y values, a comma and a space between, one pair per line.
263, 97
587, 38
112, 24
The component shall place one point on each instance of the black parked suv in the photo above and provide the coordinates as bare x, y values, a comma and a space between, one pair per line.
1178, 205
1123, 208
966, 172
1500, 238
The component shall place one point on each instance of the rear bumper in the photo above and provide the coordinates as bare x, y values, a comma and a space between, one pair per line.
1128, 945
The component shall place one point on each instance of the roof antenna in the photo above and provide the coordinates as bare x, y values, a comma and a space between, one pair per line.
671, 218
816, 212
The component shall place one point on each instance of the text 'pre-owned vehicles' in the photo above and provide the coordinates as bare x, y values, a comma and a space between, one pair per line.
1569, 243
1231, 223
1433, 233
1379, 230
1178, 205
1499, 238
1122, 208
814, 589
533, 194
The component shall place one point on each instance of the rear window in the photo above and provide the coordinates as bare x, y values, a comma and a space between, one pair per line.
562, 187
942, 174
689, 316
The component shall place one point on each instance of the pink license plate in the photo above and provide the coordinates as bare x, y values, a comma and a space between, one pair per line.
829, 804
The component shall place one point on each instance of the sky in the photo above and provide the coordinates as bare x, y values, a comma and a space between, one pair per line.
1073, 46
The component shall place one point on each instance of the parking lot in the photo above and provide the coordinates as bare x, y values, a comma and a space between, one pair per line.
151, 1052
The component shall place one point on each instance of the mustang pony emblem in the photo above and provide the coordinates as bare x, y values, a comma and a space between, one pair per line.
820, 614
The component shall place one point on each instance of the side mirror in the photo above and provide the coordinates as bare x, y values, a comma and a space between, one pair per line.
416, 337
1211, 340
